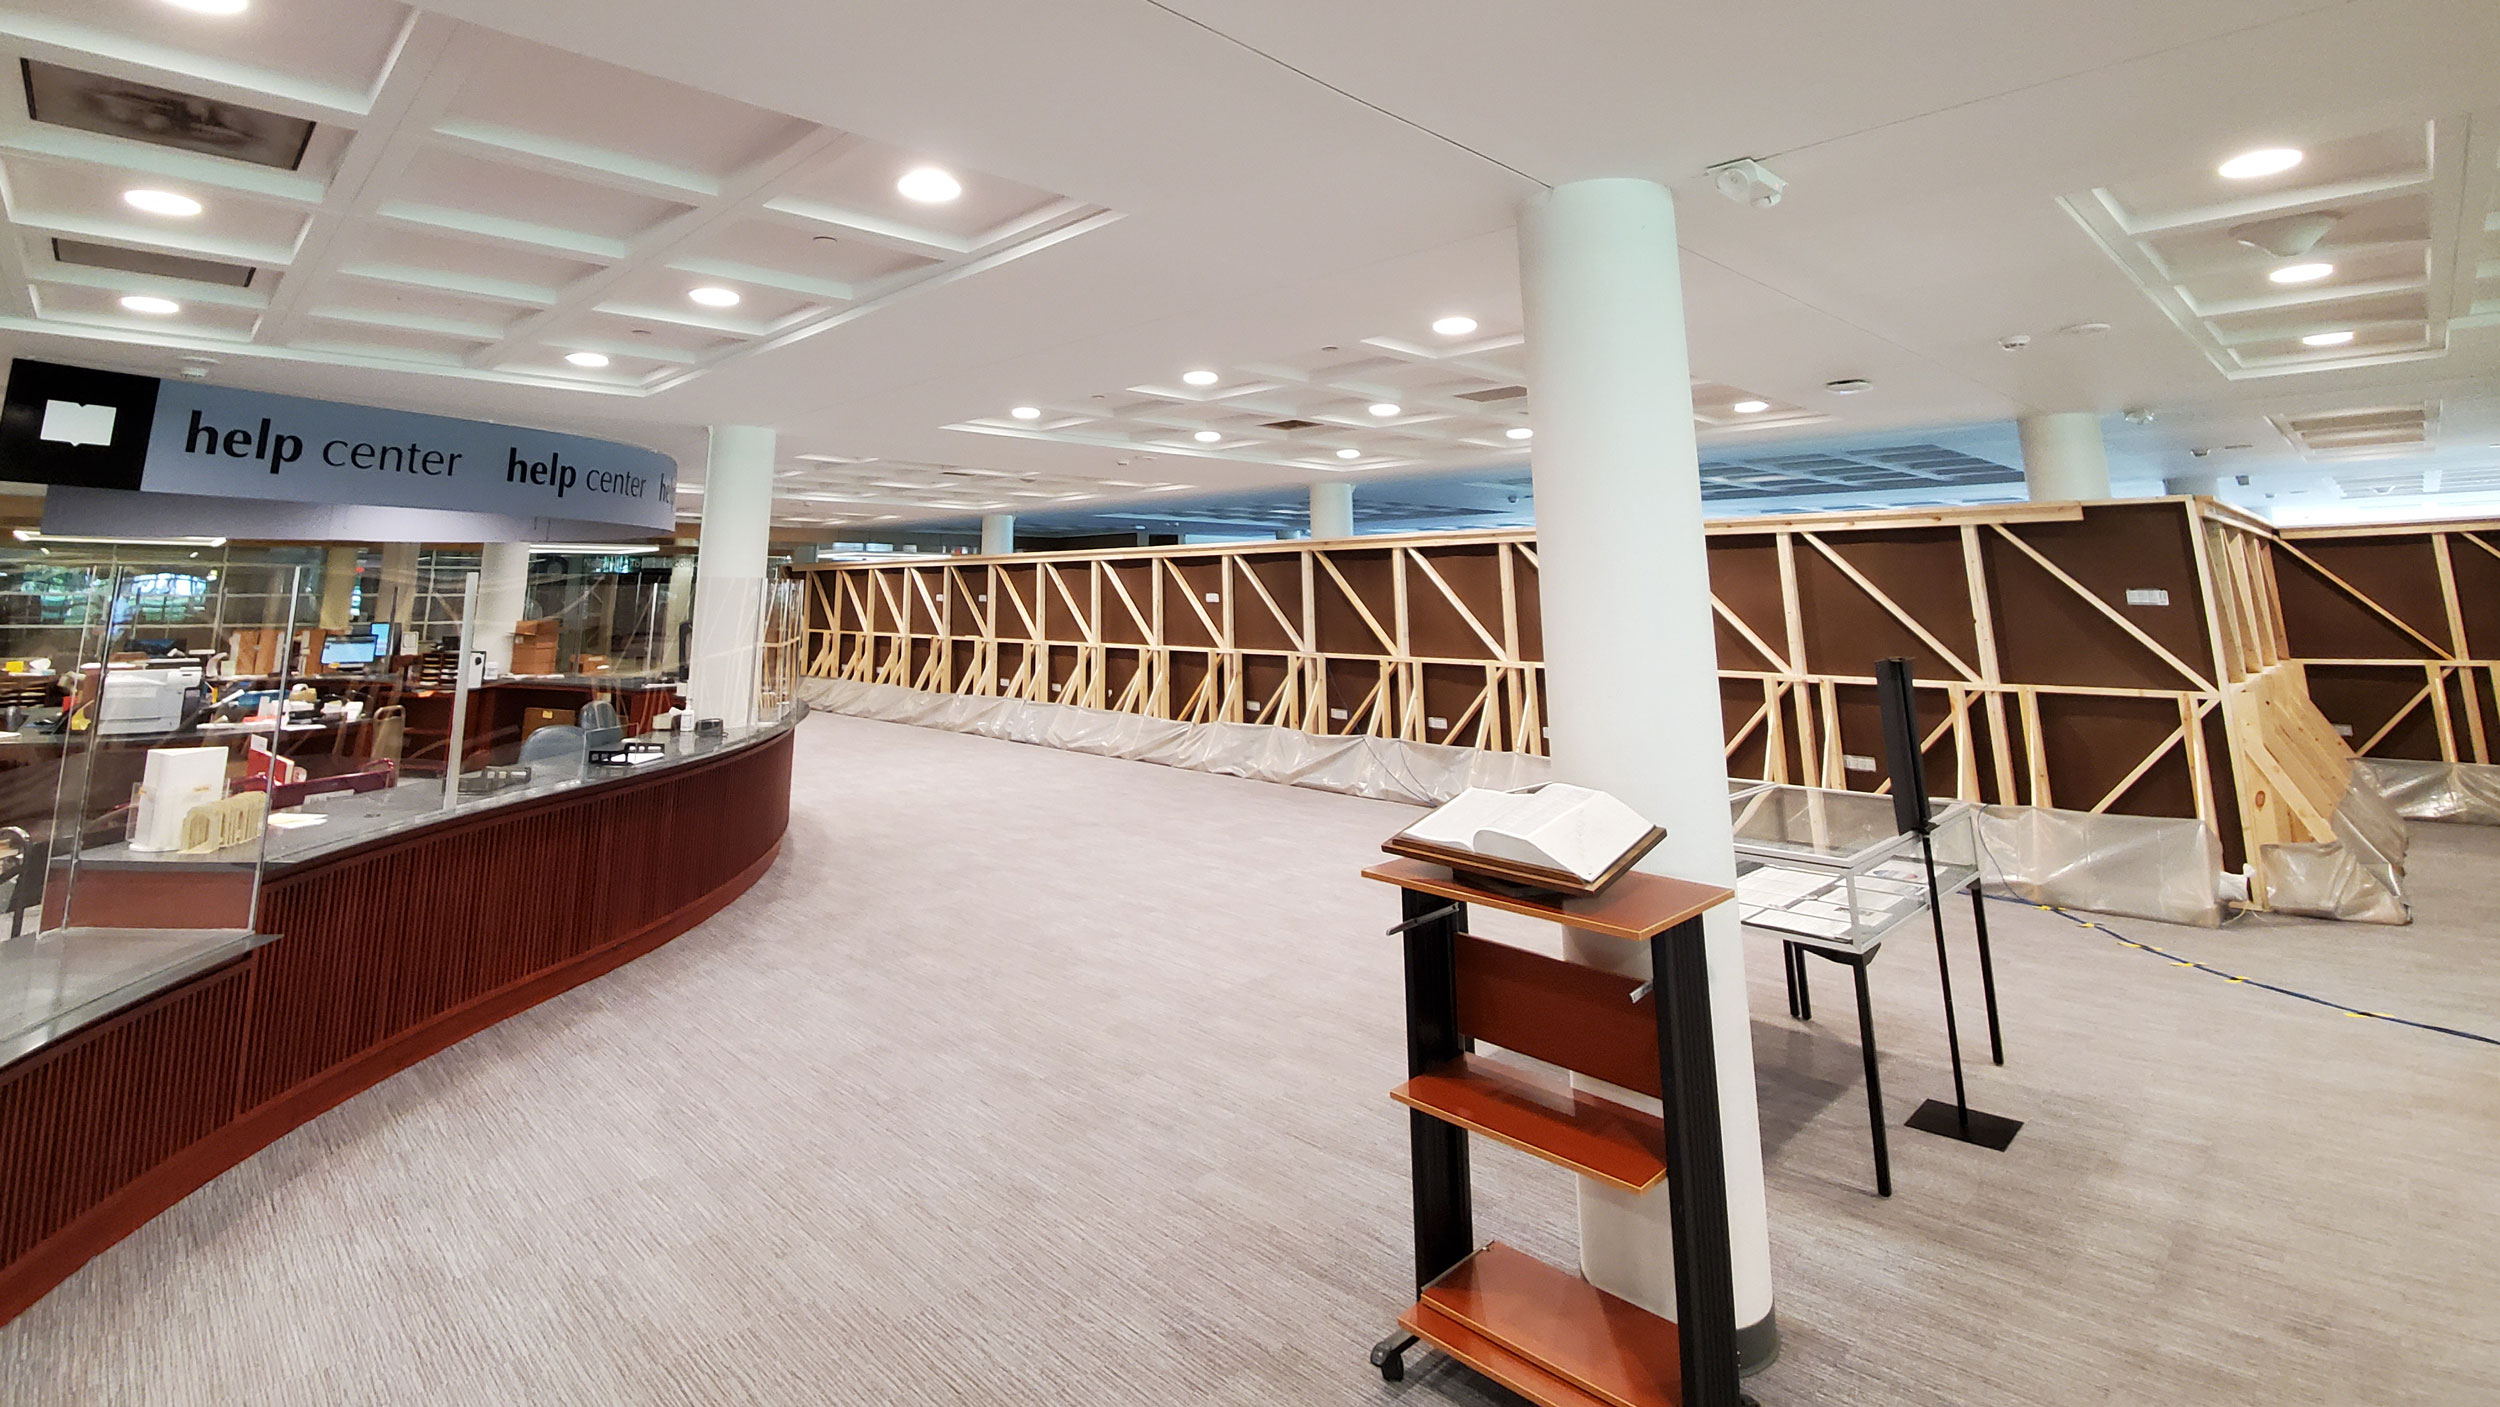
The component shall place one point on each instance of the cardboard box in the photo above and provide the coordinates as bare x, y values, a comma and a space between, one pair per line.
533, 719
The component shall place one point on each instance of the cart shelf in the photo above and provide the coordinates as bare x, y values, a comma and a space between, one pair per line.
1538, 1114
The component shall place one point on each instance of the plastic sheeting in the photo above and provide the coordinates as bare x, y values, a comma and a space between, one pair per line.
2467, 792
2143, 867
2358, 876
2157, 867
1385, 769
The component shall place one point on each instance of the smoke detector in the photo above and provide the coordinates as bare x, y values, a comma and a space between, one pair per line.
2014, 343
2287, 236
2140, 415
1748, 182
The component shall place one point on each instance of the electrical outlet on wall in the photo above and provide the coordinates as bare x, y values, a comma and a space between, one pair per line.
1852, 762
2147, 596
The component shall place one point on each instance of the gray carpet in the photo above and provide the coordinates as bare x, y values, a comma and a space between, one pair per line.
1031, 1077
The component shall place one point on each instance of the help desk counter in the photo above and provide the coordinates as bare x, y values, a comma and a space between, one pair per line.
197, 990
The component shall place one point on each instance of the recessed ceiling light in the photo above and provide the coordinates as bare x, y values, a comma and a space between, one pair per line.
2301, 273
2265, 161
1026, 412
161, 202
1349, 454
713, 295
1200, 378
1750, 407
1206, 437
1518, 432
1385, 409
929, 185
151, 305
2326, 339
211, 7
587, 358
1455, 326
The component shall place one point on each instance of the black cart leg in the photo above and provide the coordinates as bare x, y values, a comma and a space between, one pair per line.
1874, 1085
1987, 971
1445, 1229
1389, 1355
1788, 973
1688, 1073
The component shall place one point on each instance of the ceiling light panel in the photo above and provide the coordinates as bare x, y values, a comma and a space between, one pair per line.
2396, 196
574, 192
89, 202
861, 180
101, 307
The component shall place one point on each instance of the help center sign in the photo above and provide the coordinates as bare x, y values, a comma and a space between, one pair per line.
223, 442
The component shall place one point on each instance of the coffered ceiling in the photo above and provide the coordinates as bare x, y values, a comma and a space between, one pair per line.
1993, 207
354, 182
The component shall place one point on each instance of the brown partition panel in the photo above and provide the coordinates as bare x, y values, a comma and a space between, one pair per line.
1559, 1012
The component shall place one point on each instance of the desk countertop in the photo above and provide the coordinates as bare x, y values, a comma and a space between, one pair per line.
353, 819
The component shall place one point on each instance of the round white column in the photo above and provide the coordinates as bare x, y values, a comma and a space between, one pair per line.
1332, 509
503, 579
1630, 655
2064, 459
399, 590
729, 573
998, 534
338, 588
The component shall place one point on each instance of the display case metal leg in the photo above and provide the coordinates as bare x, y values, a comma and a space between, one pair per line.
1987, 972
1874, 1085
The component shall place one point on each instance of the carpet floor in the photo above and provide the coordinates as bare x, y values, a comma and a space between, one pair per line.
1029, 1077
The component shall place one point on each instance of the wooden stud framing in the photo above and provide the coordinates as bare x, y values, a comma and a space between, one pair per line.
1132, 631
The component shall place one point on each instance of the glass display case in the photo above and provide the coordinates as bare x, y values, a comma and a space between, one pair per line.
1831, 870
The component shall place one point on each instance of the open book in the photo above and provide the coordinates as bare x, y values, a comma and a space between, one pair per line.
1556, 827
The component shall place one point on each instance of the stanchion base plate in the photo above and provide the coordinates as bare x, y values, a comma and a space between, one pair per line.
1987, 1130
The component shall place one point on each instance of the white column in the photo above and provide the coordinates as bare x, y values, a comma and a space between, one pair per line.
1332, 509
338, 589
1630, 654
2063, 457
399, 590
998, 534
503, 578
680, 605
729, 573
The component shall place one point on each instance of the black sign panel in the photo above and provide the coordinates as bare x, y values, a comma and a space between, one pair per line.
70, 425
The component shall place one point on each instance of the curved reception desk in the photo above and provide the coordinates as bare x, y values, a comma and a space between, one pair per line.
391, 931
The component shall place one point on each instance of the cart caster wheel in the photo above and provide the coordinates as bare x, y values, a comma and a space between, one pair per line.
1393, 1368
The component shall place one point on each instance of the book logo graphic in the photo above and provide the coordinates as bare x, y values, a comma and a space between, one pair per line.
69, 423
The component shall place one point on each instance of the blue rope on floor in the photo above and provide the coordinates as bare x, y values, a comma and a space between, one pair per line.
2097, 926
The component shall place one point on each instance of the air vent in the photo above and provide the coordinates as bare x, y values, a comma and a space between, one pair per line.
1293, 425
2347, 434
1497, 393
141, 261
143, 112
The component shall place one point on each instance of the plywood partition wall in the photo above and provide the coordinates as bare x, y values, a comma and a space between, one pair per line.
2100, 658
1428, 639
2398, 628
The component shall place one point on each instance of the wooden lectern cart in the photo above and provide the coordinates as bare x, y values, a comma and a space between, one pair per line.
1542, 1332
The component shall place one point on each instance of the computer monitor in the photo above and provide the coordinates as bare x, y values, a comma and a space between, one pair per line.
336, 653
380, 630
